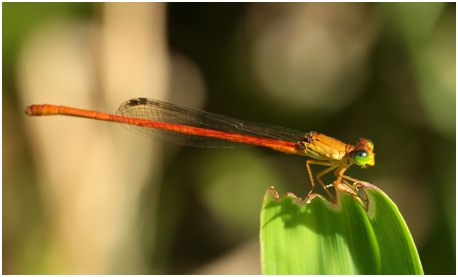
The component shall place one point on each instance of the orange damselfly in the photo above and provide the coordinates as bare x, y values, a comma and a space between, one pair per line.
173, 123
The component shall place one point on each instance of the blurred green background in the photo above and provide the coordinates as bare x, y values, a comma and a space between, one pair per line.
84, 197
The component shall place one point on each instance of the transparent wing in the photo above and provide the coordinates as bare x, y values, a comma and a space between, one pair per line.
155, 110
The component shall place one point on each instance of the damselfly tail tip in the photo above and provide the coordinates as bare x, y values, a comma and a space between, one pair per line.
32, 110
27, 110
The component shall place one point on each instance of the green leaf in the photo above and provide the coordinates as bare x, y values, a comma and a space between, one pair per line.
324, 238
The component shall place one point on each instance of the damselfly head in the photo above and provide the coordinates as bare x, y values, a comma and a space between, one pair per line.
363, 154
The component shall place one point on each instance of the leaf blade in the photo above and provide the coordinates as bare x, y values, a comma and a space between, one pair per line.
400, 256
324, 238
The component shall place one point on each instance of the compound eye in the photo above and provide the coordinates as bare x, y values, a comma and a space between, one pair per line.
364, 143
371, 144
361, 157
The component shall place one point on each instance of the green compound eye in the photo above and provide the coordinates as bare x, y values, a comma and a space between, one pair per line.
361, 157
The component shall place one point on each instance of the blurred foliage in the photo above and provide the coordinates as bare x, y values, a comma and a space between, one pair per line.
21, 19
389, 73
